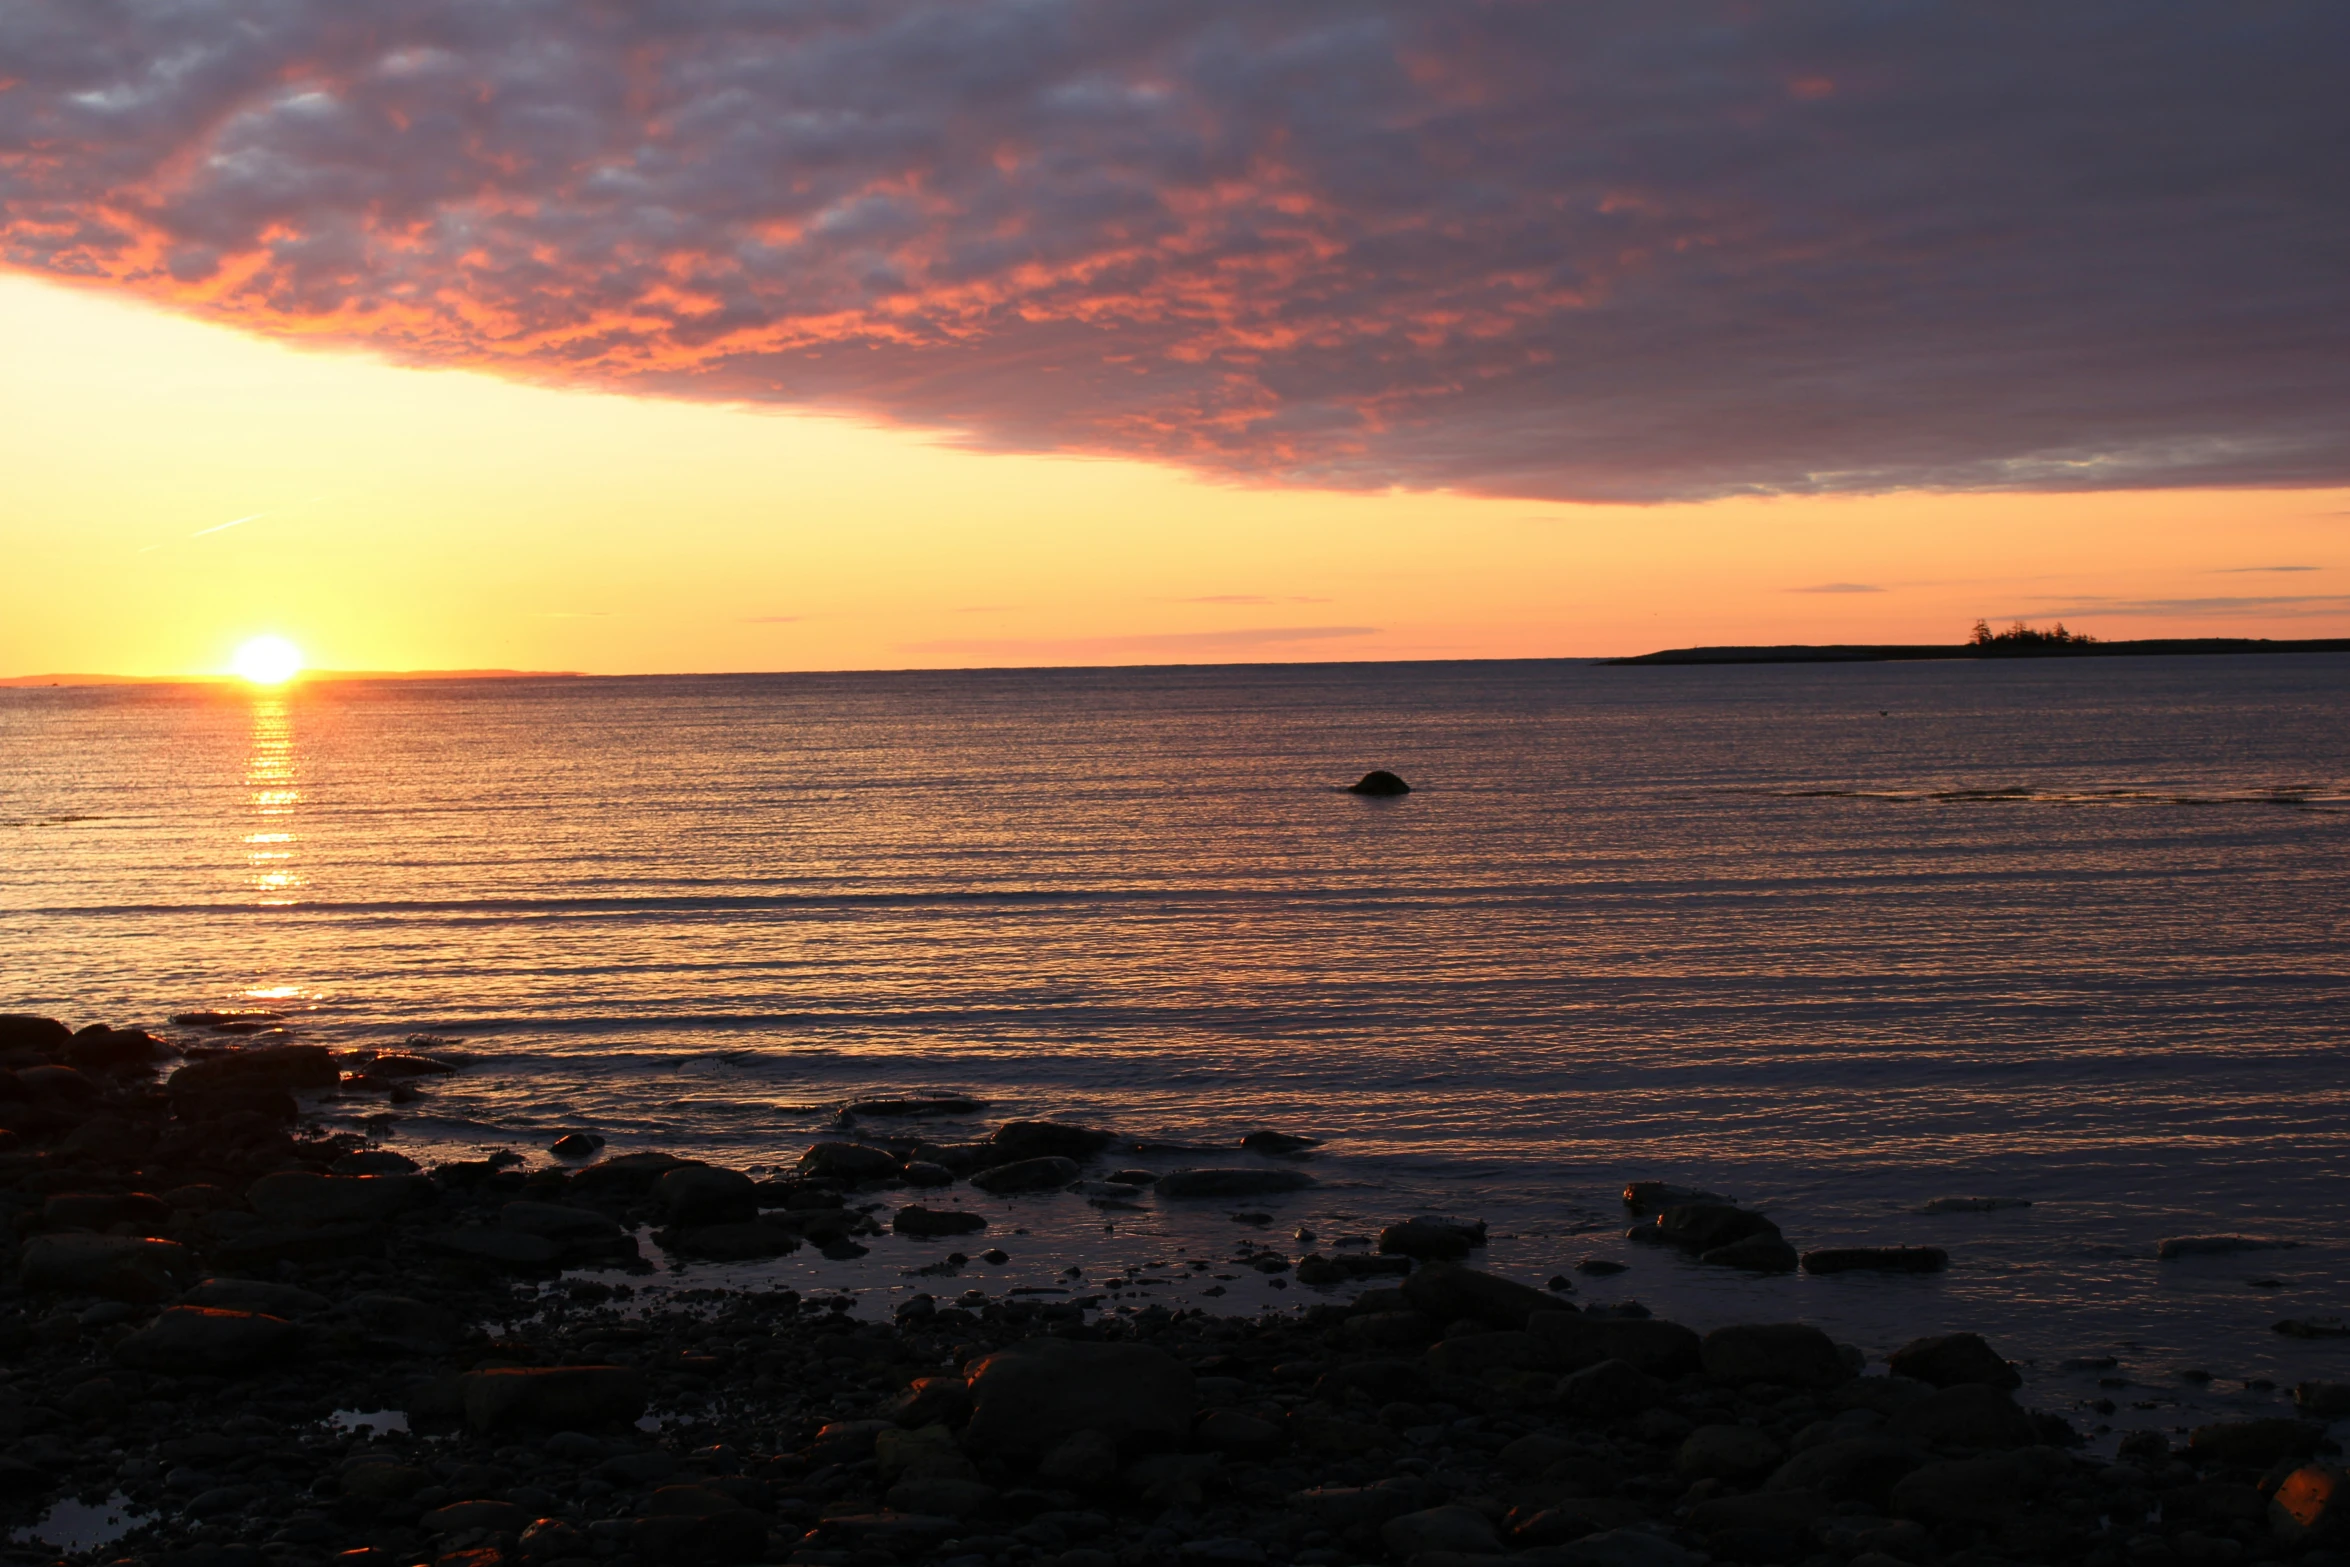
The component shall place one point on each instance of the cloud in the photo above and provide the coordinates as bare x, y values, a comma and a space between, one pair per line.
2294, 606
1145, 645
1247, 598
1838, 587
2236, 571
1567, 252
773, 620
223, 527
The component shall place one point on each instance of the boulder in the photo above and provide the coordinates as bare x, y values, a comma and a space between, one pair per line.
1876, 1259
568, 1227
1656, 1196
1083, 1460
1026, 1399
1961, 1493
848, 1162
1609, 1391
1975, 1204
939, 1496
576, 1145
299, 1197
1706, 1226
1660, 1348
374, 1161
1318, 1270
562, 1398
1790, 1354
112, 1051
1461, 1529
457, 1517
119, 1266
1044, 1140
1852, 1469
1232, 1183
1448, 1292
625, 1178
208, 1339
255, 1295
103, 1210
1279, 1145
1431, 1239
743, 1241
1731, 1453
1623, 1548
925, 1223
2311, 1504
2322, 1400
285, 1068
1951, 1359
702, 1194
108, 1139
499, 1248
1047, 1174
1966, 1415
1380, 784
23, 1031
57, 1085
2253, 1444
1474, 1354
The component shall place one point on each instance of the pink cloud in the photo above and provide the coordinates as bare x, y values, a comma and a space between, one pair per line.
1566, 252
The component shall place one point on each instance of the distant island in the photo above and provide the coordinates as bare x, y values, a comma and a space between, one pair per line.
307, 678
2017, 641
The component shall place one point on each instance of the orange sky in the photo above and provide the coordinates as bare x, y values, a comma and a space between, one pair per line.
174, 488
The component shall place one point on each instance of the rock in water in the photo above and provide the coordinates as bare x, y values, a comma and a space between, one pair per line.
1876, 1259
1427, 1239
2215, 1246
1975, 1204
1279, 1144
1045, 1139
1232, 1183
922, 1222
1028, 1399
1952, 1359
1028, 1175
1379, 783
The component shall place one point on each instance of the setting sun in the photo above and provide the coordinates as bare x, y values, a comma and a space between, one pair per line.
268, 661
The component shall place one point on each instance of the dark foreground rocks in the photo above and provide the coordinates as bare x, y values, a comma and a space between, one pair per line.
220, 1328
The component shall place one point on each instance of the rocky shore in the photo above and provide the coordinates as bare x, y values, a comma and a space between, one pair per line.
257, 1344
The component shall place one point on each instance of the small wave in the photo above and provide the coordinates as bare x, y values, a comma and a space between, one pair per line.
2312, 797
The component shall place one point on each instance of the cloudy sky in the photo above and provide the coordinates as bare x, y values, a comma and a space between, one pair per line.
732, 334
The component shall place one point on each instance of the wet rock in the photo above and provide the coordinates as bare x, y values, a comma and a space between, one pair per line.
576, 1145
374, 1161
1951, 1359
1346, 1267
383, 1480
106, 1052
1432, 1239
299, 1197
1027, 1398
272, 1068
207, 1339
24, 1031
117, 1266
1660, 1348
1963, 1492
1975, 1204
746, 1241
1081, 1460
574, 1229
100, 1210
2215, 1246
1232, 1183
1477, 1353
57, 1085
1016, 1140
457, 1517
1379, 784
1610, 1390
1723, 1452
1876, 1259
1602, 1267
2313, 1327
922, 1173
1756, 1254
1448, 1292
1966, 1415
2322, 1400
702, 1194
2311, 1504
1624, 1548
623, 1179
553, 1397
1791, 1354
2253, 1444
1383, 1381
255, 1295
1853, 1469
1703, 1226
107, 1139
1278, 1144
497, 1247
1047, 1174
924, 1223
932, 1401
552, 1540
1461, 1529
940, 1496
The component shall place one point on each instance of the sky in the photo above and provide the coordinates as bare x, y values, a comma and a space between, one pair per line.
746, 334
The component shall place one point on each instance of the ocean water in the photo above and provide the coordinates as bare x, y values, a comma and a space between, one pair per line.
1832, 940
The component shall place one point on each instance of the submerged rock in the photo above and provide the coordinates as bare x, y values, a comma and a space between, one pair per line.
1876, 1259
1232, 1183
1975, 1204
1278, 1144
2179, 1246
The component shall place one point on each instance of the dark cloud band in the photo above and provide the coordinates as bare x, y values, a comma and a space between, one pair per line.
1640, 250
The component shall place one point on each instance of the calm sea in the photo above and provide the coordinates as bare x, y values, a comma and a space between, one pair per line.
1836, 941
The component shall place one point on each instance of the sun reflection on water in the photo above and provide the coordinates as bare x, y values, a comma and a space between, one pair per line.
269, 773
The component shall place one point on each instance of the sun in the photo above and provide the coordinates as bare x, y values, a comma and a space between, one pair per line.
268, 661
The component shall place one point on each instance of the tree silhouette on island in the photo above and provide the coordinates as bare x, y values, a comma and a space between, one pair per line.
2020, 637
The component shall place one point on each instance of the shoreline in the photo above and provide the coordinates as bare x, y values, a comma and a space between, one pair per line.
1892, 653
206, 1297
